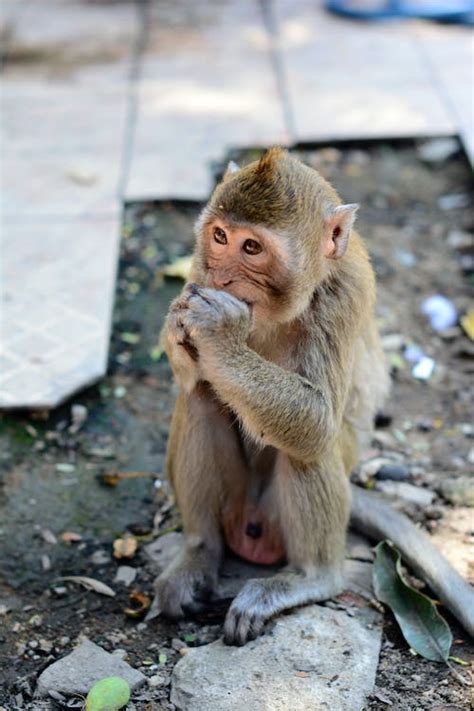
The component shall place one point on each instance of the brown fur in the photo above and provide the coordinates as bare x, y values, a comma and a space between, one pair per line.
277, 395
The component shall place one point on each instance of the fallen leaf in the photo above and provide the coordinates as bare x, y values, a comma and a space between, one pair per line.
140, 604
125, 547
81, 177
467, 323
156, 353
71, 537
130, 338
380, 697
109, 694
179, 269
424, 629
162, 658
113, 478
302, 675
89, 583
458, 660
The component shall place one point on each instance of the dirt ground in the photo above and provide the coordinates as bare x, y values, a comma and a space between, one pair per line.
53, 479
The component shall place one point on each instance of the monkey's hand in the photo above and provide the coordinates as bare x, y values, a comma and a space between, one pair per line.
181, 352
214, 321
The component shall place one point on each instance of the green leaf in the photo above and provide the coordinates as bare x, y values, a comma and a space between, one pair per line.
191, 637
131, 338
109, 694
162, 658
458, 660
420, 622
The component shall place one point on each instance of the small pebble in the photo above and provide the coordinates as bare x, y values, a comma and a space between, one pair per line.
395, 472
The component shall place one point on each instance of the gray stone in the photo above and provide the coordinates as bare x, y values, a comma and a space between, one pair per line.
88, 663
394, 472
314, 658
437, 150
459, 492
125, 574
407, 492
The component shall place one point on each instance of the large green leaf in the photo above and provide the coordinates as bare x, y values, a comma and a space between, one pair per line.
420, 622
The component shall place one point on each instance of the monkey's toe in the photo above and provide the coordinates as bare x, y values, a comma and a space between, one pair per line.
241, 627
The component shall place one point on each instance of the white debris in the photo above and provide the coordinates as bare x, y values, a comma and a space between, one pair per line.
441, 312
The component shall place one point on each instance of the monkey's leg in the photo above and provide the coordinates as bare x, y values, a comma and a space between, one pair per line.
313, 506
203, 452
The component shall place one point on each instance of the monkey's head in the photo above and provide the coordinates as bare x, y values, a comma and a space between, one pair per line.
271, 232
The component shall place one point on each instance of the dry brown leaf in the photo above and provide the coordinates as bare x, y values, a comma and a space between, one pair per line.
302, 675
179, 269
140, 604
113, 478
71, 537
90, 583
125, 547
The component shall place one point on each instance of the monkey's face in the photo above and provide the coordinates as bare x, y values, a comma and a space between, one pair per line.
251, 263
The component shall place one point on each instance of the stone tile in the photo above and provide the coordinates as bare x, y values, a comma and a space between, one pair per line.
356, 80
205, 87
70, 184
53, 117
370, 112
55, 334
64, 38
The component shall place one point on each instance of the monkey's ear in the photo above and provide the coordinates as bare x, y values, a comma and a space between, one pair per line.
232, 168
339, 223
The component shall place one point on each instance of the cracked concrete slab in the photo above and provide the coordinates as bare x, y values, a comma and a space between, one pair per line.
55, 334
205, 87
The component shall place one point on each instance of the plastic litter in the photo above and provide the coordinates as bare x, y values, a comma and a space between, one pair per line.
413, 354
441, 312
423, 370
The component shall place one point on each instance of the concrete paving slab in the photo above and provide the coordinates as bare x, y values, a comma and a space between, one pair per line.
205, 87
348, 80
449, 54
74, 183
55, 117
60, 37
55, 334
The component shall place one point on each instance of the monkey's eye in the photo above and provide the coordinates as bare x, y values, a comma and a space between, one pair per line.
220, 236
252, 247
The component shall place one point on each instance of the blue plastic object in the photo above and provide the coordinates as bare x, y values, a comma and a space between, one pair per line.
461, 11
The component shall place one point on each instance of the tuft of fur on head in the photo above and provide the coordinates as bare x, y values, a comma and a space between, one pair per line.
277, 191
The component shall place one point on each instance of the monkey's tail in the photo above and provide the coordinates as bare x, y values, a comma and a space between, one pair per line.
372, 516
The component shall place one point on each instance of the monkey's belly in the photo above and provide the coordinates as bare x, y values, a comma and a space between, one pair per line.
250, 535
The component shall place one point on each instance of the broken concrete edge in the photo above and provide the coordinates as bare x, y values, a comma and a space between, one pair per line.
33, 404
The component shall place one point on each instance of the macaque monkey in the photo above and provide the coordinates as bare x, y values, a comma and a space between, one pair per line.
275, 349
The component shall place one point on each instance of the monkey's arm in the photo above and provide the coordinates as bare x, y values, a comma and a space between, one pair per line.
277, 407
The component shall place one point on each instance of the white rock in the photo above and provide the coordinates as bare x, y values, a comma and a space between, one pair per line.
78, 671
407, 492
437, 150
314, 658
125, 574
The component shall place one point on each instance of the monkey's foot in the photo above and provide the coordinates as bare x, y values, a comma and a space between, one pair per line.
253, 606
184, 586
